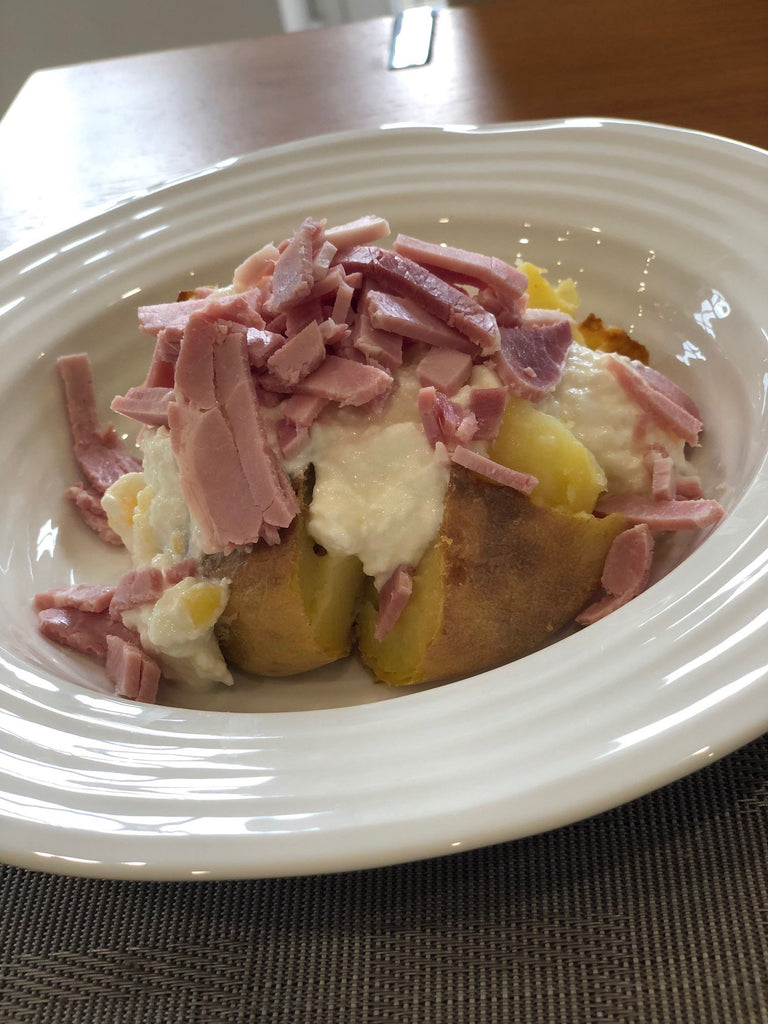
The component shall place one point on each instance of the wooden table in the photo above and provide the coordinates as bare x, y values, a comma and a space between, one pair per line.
77, 139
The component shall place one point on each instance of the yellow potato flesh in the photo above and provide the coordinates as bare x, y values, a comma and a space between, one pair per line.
291, 605
531, 441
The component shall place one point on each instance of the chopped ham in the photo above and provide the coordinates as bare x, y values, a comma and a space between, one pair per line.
667, 387
180, 571
531, 359
472, 267
161, 370
293, 279
693, 514
382, 348
242, 308
303, 410
663, 476
153, 319
291, 437
625, 573
493, 471
662, 403
487, 405
342, 303
333, 333
136, 676
231, 478
145, 405
412, 281
87, 503
99, 453
361, 231
346, 382
322, 260
298, 357
467, 428
407, 318
440, 417
81, 631
447, 370
393, 597
261, 345
688, 487
250, 272
136, 587
86, 597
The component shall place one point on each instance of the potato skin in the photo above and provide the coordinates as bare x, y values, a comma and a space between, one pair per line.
502, 576
290, 609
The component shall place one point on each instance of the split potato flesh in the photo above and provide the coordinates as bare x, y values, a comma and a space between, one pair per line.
291, 607
503, 575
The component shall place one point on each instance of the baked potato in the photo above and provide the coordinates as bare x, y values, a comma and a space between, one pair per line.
291, 606
501, 577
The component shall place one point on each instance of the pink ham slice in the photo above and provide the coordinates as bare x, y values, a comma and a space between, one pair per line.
81, 631
87, 597
180, 571
531, 358
136, 587
346, 382
663, 477
161, 370
99, 452
87, 502
381, 348
242, 308
693, 514
303, 410
625, 573
407, 318
688, 487
393, 597
261, 345
487, 405
440, 417
293, 278
298, 357
666, 404
174, 315
256, 266
493, 471
446, 370
412, 281
471, 267
232, 481
361, 231
136, 676
144, 405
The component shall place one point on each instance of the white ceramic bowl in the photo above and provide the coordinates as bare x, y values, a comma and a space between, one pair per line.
664, 231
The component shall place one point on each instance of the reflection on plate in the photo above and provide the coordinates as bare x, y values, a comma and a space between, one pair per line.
664, 231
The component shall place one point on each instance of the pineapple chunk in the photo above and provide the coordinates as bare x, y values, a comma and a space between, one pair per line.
531, 441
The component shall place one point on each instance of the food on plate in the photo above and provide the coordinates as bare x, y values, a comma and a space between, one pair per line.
413, 451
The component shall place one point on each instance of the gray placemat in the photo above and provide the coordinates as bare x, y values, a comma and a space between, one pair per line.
655, 912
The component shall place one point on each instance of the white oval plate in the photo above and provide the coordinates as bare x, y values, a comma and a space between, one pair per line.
664, 231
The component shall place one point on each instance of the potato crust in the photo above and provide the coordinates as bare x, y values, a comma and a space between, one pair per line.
502, 576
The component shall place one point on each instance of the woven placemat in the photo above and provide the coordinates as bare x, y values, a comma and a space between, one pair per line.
655, 912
